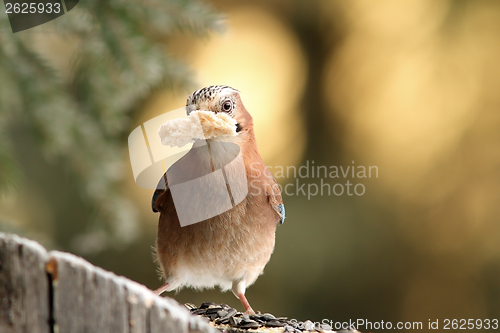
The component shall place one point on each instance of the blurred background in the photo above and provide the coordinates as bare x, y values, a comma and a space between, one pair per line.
410, 87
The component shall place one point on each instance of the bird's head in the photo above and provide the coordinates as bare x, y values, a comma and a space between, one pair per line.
221, 99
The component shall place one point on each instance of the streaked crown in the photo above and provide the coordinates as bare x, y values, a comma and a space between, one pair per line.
212, 98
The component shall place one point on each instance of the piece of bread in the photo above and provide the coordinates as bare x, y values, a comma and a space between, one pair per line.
198, 125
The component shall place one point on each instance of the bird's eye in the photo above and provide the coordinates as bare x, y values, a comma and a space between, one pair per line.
227, 106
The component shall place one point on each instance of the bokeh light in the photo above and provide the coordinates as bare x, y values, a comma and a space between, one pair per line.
410, 87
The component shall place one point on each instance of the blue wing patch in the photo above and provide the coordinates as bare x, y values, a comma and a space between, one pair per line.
160, 188
281, 211
156, 194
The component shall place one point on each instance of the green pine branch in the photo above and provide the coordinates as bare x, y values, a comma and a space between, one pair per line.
82, 121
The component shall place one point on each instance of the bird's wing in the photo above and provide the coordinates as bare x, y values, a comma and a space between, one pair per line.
161, 188
275, 199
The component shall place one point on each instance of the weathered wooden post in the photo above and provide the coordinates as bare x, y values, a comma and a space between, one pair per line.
24, 286
44, 292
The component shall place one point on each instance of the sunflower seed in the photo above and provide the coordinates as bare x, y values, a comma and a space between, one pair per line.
206, 305
249, 324
190, 306
234, 321
213, 310
221, 313
199, 311
268, 316
229, 314
274, 323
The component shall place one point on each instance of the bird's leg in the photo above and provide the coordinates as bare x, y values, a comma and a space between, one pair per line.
161, 290
239, 291
246, 305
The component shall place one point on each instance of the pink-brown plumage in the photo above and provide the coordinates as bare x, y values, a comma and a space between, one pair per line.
231, 249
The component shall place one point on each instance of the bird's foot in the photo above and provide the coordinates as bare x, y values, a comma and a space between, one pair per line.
246, 305
161, 290
249, 312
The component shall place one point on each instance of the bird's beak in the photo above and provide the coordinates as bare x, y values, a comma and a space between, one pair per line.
190, 108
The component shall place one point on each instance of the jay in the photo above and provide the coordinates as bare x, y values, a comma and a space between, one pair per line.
230, 249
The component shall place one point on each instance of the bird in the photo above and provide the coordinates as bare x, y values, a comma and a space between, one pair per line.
230, 249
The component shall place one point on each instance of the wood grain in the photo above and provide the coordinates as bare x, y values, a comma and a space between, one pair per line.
44, 292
